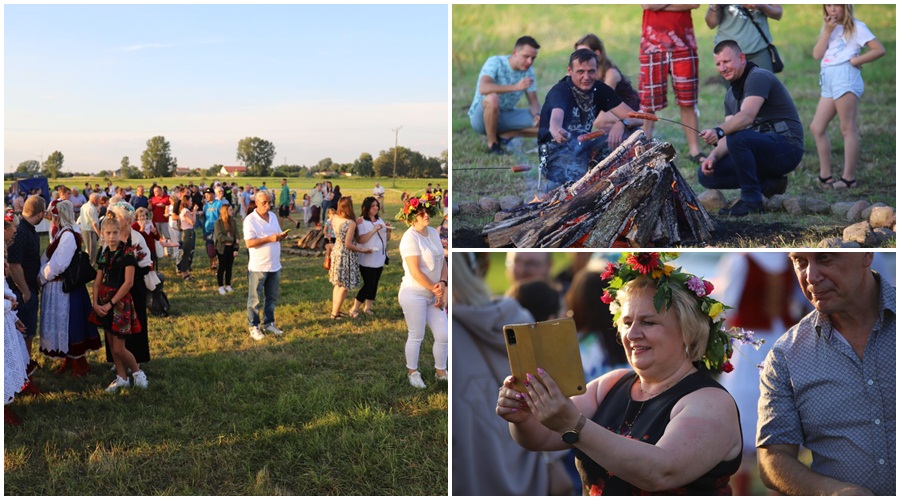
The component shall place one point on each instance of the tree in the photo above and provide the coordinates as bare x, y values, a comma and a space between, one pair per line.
53, 165
384, 164
324, 165
29, 167
129, 171
214, 170
257, 154
157, 160
362, 166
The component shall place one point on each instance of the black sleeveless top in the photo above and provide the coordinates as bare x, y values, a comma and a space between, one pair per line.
646, 421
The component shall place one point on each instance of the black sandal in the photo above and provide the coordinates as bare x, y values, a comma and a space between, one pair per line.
826, 182
846, 184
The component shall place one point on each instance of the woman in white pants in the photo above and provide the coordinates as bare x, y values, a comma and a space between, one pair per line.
423, 289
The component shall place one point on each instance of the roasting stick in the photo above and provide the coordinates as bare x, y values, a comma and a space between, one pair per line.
653, 118
515, 169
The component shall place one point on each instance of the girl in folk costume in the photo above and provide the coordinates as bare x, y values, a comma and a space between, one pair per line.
113, 304
65, 331
15, 355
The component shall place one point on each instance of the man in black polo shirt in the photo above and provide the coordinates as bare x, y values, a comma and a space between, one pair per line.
761, 140
571, 109
24, 258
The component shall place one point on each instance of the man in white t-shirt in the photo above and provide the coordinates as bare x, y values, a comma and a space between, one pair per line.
378, 193
262, 235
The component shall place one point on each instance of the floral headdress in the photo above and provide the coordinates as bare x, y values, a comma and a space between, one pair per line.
719, 347
430, 201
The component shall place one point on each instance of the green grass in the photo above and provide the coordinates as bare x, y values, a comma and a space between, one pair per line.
324, 410
480, 31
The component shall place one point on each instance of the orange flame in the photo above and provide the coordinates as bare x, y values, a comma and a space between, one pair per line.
692, 206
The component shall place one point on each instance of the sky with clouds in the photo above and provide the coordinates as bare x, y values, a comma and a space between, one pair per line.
96, 82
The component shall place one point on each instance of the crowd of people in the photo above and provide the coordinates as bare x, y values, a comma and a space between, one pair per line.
128, 234
661, 414
757, 144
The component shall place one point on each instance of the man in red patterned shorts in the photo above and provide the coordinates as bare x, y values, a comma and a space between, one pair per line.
668, 47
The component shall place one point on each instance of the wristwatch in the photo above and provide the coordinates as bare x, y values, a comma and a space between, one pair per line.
571, 437
625, 122
719, 132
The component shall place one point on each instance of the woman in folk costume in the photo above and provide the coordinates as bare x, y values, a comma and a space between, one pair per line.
65, 331
15, 354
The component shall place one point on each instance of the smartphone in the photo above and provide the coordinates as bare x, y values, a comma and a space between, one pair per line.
551, 345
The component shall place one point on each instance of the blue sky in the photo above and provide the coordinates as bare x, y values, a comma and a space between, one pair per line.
96, 82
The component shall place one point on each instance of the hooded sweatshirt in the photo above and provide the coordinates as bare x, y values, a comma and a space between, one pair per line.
486, 459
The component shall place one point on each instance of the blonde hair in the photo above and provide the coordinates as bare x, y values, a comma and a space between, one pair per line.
142, 211
468, 288
111, 219
848, 22
694, 323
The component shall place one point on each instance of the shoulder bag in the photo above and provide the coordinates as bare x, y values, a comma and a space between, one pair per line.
777, 64
79, 273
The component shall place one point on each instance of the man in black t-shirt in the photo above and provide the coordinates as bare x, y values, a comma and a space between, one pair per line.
571, 109
761, 140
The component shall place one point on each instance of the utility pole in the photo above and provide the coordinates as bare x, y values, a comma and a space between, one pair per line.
396, 136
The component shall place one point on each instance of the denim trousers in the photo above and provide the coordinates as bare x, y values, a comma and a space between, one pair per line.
752, 157
261, 282
188, 240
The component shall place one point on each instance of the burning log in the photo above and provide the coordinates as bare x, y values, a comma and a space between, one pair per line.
634, 197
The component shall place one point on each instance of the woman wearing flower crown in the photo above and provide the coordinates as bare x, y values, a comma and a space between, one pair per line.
665, 427
423, 289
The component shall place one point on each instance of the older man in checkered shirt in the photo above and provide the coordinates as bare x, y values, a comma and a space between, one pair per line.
830, 384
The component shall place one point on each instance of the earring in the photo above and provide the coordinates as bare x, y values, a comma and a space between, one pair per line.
686, 353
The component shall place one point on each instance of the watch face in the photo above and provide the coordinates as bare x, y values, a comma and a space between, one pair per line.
720, 133
570, 437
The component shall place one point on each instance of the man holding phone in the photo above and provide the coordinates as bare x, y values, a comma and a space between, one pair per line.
263, 235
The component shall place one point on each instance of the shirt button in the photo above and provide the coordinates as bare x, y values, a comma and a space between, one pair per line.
881, 461
870, 382
877, 421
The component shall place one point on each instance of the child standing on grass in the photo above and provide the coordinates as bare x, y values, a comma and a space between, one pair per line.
113, 305
838, 47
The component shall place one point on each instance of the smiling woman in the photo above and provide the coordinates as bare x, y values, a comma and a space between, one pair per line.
663, 427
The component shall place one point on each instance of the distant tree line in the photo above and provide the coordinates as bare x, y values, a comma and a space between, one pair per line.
258, 155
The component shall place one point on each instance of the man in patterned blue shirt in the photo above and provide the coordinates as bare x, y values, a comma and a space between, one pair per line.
501, 83
830, 384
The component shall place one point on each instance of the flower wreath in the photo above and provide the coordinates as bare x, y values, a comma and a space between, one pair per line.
720, 346
431, 202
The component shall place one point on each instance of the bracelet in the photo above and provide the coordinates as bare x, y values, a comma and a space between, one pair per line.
444, 282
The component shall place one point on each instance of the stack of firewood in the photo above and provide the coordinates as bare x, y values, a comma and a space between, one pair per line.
634, 197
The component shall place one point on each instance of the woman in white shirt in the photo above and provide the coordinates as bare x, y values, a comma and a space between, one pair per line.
65, 331
374, 234
423, 289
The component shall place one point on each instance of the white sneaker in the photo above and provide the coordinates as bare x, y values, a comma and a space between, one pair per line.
415, 380
228, 289
274, 329
140, 379
256, 334
442, 377
221, 290
117, 384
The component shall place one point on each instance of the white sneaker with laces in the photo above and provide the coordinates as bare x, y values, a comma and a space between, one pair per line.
221, 290
256, 334
415, 380
140, 379
228, 289
274, 329
117, 384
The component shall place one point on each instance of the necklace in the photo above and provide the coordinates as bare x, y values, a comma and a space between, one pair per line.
625, 429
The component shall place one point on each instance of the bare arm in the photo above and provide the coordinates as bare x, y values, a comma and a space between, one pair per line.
487, 86
256, 242
876, 50
771, 10
673, 7
348, 240
821, 46
781, 471
558, 133
534, 106
713, 15
18, 276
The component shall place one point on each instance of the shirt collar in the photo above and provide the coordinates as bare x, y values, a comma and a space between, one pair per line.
887, 303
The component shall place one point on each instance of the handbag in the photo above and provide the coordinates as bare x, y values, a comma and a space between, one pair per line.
777, 64
387, 260
327, 262
151, 280
79, 273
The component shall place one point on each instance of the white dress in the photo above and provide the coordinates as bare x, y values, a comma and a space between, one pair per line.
15, 354
55, 302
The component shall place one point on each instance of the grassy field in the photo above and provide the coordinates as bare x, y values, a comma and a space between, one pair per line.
325, 409
480, 31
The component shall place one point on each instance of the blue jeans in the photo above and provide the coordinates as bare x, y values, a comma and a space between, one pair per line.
260, 282
514, 119
752, 158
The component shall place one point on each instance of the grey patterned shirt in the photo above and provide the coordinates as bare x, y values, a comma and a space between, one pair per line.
816, 392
